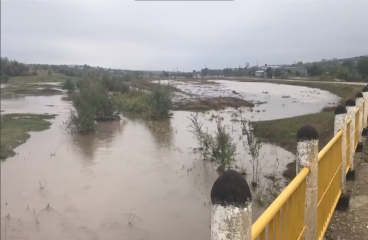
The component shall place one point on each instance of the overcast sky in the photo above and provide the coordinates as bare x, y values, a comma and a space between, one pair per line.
139, 35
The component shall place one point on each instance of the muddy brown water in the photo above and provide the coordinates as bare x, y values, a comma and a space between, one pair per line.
131, 179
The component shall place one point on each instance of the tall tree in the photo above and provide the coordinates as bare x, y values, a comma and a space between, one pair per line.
362, 67
315, 70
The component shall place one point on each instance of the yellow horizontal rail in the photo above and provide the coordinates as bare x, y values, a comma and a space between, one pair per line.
277, 204
329, 145
287, 204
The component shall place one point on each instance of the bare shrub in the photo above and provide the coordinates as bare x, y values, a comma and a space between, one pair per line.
222, 148
218, 147
253, 146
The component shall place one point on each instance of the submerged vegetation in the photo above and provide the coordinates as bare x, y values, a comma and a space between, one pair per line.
92, 102
154, 105
14, 128
253, 146
68, 85
104, 98
218, 147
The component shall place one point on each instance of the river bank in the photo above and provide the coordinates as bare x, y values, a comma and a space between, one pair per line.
15, 128
282, 132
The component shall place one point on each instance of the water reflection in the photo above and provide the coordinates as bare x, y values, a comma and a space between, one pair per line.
100, 140
66, 98
162, 132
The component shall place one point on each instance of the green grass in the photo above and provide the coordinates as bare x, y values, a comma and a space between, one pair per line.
29, 89
14, 128
282, 132
154, 105
26, 84
41, 77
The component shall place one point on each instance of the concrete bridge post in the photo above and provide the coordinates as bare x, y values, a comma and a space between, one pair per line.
365, 110
307, 156
350, 107
359, 103
341, 117
231, 210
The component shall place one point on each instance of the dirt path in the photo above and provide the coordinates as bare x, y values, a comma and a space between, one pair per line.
353, 224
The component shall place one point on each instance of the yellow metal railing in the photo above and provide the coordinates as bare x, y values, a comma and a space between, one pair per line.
279, 221
348, 143
284, 218
329, 182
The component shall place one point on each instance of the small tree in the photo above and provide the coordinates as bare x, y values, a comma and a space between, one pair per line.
342, 72
91, 103
222, 148
4, 78
362, 67
253, 146
49, 72
269, 72
219, 149
278, 73
161, 102
68, 85
315, 70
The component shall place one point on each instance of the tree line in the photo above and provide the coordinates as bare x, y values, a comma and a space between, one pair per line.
355, 69
12, 69
349, 70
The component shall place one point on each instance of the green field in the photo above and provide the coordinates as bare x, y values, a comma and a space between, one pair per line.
26, 85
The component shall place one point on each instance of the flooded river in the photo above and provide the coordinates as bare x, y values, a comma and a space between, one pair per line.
132, 179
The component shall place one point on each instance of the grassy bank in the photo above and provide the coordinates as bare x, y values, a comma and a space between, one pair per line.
35, 85
29, 89
143, 104
14, 128
282, 132
41, 77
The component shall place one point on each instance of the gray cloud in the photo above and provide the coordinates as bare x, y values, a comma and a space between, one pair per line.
188, 35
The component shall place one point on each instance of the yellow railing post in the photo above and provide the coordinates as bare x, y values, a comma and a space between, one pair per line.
231, 209
307, 156
340, 124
